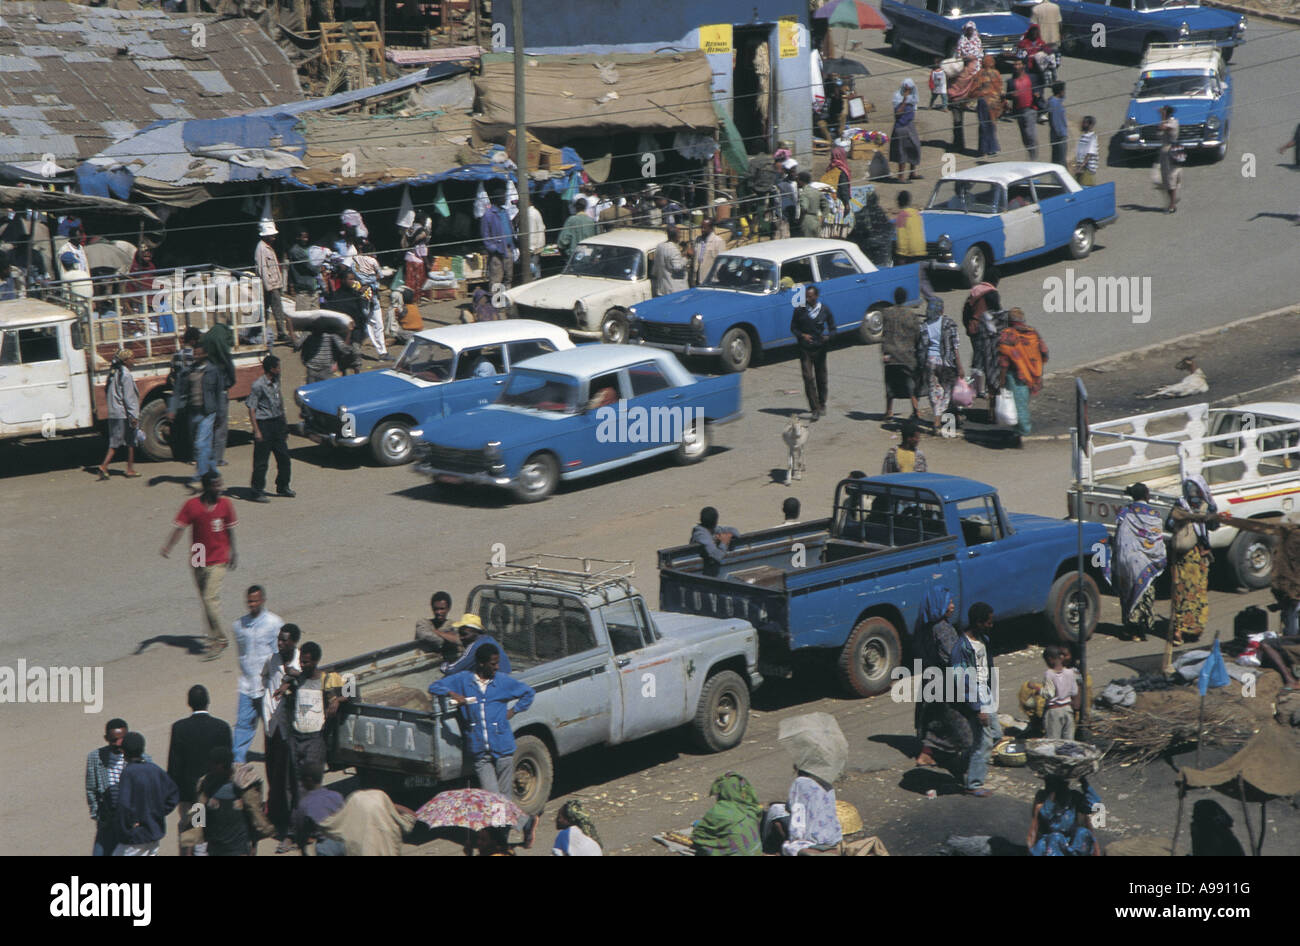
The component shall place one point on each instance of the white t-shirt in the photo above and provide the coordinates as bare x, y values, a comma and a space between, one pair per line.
255, 637
571, 842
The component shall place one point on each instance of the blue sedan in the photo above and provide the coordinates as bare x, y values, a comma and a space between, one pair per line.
1011, 211
1194, 81
934, 26
1131, 26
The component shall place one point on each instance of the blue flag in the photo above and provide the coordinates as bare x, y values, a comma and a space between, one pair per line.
1213, 672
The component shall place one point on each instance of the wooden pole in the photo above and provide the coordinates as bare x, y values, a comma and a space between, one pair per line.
1200, 721
1263, 820
1178, 818
1245, 813
521, 140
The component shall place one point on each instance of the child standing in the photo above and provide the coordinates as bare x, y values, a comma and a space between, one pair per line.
1061, 687
1086, 154
938, 85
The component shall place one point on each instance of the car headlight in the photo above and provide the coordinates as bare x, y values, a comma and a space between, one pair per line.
1183, 30
944, 245
697, 323
297, 399
579, 310
1241, 25
1212, 123
340, 412
1130, 124
631, 313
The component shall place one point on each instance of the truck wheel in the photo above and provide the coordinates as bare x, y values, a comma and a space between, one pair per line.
873, 325
1251, 558
1081, 240
613, 328
694, 445
737, 350
872, 651
537, 478
1064, 604
723, 713
390, 443
534, 774
973, 265
157, 430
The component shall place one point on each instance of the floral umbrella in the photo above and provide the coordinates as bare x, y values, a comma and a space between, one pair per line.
851, 14
471, 808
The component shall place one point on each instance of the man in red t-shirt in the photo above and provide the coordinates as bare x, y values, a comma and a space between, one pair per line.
1020, 90
211, 517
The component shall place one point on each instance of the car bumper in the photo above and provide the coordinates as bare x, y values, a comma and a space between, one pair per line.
480, 478
1141, 144
948, 265
682, 349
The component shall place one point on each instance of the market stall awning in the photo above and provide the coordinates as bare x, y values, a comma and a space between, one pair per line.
24, 198
590, 96
1269, 763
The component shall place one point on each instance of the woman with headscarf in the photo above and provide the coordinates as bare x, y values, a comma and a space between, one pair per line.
969, 44
873, 231
987, 92
984, 321
940, 726
844, 183
938, 358
1138, 559
732, 826
1190, 521
577, 834
904, 142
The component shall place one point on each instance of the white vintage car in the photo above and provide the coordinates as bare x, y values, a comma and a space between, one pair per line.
606, 275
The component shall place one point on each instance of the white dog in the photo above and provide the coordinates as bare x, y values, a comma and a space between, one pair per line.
795, 437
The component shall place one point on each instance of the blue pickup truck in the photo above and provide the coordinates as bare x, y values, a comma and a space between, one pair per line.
850, 587
1132, 26
1011, 211
571, 414
740, 308
606, 669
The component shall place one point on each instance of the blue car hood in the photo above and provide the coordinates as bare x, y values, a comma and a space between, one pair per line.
1187, 111
474, 428
995, 24
357, 390
680, 306
1024, 522
1203, 18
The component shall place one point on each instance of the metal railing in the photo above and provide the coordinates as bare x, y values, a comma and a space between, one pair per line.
586, 574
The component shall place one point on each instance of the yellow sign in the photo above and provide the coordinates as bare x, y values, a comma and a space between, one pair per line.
716, 39
789, 32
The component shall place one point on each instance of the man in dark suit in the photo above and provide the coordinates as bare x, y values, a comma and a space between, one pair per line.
187, 757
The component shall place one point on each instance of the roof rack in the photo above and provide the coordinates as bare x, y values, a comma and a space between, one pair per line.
587, 574
1191, 46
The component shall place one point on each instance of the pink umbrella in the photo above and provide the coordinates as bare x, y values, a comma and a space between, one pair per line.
471, 808
851, 14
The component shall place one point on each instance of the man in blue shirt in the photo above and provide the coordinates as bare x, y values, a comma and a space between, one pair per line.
1058, 130
714, 540
482, 695
499, 241
145, 794
472, 636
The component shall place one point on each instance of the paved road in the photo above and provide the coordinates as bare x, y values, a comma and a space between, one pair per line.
355, 557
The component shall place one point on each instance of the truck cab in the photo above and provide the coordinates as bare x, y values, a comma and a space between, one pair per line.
44, 390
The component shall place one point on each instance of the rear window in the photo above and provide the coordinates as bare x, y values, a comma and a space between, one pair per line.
893, 516
534, 627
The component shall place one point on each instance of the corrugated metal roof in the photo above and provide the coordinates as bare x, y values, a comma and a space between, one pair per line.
67, 91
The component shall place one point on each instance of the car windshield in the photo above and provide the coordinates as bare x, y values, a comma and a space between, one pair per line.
743, 274
974, 197
1166, 4
970, 7
1162, 87
538, 391
426, 360
606, 262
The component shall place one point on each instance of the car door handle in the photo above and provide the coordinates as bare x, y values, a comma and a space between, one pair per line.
973, 553
623, 661
63, 384
1037, 209
499, 381
674, 397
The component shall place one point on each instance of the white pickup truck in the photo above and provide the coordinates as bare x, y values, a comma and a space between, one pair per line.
1249, 455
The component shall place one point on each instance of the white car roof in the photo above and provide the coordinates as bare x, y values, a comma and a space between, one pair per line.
458, 337
642, 239
599, 358
1290, 412
1182, 57
778, 251
15, 313
1008, 172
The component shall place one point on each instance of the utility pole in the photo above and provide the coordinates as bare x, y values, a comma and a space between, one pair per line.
521, 142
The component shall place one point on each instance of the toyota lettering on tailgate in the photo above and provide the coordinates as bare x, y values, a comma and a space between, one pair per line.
372, 733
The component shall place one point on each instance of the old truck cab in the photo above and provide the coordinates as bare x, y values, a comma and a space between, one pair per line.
44, 389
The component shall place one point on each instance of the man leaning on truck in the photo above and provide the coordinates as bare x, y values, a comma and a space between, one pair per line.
199, 389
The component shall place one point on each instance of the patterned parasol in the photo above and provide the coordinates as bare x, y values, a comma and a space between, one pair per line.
471, 808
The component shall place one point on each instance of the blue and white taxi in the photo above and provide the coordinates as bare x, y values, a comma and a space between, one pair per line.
1193, 80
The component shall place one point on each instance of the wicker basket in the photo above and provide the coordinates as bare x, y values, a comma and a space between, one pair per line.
1044, 758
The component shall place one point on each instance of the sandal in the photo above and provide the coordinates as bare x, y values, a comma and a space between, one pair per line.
214, 651
103, 473
133, 474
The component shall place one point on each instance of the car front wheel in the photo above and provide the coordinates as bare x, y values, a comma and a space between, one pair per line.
390, 443
973, 265
613, 328
537, 478
737, 350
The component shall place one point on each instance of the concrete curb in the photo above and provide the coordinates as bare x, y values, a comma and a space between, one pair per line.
1180, 340
1262, 14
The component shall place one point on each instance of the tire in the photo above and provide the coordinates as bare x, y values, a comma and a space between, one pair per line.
391, 444
1082, 240
896, 42
534, 774
872, 329
723, 712
537, 478
1226, 52
973, 265
1059, 601
737, 350
613, 327
1251, 559
694, 446
1221, 151
871, 652
157, 430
